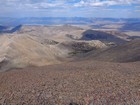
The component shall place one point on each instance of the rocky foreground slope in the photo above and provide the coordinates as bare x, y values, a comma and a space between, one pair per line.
83, 83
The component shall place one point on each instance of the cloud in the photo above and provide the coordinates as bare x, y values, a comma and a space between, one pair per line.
67, 7
137, 11
31, 3
137, 6
65, 3
103, 2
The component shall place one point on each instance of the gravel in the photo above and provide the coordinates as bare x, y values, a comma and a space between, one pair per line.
74, 83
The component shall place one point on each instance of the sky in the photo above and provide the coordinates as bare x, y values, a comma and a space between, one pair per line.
70, 8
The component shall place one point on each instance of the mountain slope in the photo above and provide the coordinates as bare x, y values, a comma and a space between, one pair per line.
128, 52
21, 50
24, 50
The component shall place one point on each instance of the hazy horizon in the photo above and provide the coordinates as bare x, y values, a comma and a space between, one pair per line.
71, 17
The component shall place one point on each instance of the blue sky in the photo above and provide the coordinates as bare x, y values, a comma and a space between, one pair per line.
70, 8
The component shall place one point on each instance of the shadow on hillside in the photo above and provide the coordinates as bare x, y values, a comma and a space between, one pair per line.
4, 29
134, 37
102, 36
131, 27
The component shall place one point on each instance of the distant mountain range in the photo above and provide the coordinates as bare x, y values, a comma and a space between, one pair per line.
63, 20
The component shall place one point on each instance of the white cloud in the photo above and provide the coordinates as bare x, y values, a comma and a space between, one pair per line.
45, 4
104, 3
137, 11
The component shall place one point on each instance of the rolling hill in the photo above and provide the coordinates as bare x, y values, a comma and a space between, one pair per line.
22, 50
46, 45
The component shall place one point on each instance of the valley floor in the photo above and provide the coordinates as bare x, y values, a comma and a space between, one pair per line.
84, 83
